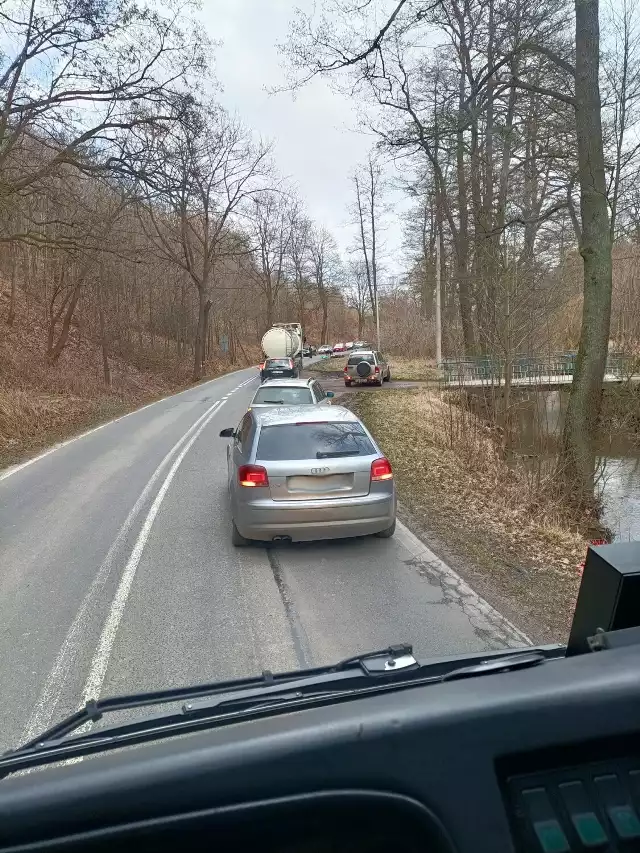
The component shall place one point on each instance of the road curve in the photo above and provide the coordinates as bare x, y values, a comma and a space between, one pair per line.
117, 573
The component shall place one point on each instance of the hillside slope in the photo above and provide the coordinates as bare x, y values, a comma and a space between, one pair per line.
41, 404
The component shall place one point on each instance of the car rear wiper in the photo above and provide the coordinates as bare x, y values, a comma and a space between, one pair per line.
334, 454
275, 402
208, 705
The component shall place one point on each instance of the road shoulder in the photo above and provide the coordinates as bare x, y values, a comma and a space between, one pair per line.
523, 566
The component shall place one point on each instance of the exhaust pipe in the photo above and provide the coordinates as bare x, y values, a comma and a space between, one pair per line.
281, 539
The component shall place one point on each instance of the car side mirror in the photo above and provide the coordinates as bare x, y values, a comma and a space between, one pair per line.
330, 394
229, 432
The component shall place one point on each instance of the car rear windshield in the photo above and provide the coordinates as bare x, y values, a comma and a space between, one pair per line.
278, 362
367, 356
313, 441
286, 396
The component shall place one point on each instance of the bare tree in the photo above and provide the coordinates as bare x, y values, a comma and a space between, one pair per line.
583, 410
298, 252
325, 272
271, 236
357, 293
76, 77
368, 209
200, 176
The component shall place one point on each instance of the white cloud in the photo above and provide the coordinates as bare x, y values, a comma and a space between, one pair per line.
317, 144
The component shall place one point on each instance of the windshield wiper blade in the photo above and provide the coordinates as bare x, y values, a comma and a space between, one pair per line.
502, 664
225, 702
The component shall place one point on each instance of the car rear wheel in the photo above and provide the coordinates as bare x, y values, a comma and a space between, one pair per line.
388, 533
237, 538
347, 384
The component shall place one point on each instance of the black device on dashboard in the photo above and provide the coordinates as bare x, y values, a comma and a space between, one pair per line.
516, 750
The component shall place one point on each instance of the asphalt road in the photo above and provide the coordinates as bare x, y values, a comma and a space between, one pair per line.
117, 573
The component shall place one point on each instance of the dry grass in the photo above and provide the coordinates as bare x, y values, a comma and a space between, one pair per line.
41, 404
518, 549
30, 421
402, 369
413, 369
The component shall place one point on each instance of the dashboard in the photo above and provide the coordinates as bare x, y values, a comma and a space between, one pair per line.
545, 759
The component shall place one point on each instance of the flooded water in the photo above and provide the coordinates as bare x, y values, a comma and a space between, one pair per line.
539, 418
621, 497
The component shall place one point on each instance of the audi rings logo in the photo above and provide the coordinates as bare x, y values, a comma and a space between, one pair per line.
319, 470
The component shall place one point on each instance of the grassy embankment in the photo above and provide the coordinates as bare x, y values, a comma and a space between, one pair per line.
42, 404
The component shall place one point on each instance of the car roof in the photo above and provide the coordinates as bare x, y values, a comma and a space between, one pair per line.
304, 414
287, 383
362, 352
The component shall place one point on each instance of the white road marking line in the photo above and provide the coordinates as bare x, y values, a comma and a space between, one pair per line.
100, 661
477, 605
44, 708
14, 469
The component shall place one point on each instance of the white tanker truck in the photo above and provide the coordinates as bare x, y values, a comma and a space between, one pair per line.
284, 340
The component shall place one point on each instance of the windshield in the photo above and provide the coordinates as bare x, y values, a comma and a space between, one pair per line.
278, 362
187, 199
285, 396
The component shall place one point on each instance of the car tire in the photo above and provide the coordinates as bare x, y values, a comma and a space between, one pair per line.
378, 384
347, 384
237, 539
388, 533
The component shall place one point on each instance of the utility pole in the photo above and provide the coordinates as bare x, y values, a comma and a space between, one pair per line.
438, 303
377, 319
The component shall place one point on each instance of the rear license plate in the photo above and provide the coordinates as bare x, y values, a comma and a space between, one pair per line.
320, 485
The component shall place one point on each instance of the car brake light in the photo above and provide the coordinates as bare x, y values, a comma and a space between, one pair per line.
381, 469
252, 476
377, 370
346, 369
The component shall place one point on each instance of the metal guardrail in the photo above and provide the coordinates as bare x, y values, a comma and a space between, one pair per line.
491, 371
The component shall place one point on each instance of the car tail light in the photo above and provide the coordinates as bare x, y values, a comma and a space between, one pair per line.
252, 476
377, 370
381, 469
346, 369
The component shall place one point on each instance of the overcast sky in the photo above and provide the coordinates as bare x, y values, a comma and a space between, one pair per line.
317, 144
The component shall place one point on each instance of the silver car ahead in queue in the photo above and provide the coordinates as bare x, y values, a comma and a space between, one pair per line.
302, 473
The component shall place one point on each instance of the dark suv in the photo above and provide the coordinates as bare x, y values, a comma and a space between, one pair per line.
278, 368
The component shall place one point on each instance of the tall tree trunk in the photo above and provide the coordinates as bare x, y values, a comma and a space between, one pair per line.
106, 371
201, 331
55, 350
583, 409
462, 243
325, 320
270, 306
11, 314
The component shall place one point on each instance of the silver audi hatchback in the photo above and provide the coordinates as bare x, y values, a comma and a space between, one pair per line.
302, 473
